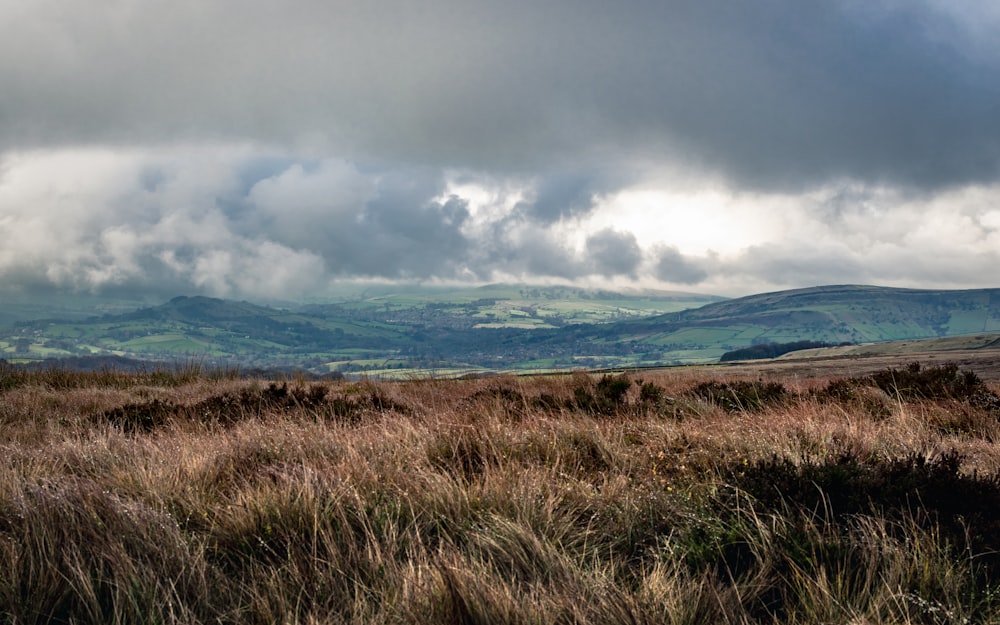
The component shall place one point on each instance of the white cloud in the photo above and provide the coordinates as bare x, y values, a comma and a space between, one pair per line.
236, 222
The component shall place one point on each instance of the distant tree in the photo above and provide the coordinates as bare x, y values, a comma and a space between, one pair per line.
772, 350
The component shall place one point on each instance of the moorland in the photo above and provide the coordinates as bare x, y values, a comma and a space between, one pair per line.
836, 491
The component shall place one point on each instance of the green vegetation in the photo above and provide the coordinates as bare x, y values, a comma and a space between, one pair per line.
902, 347
171, 497
376, 330
853, 314
770, 350
503, 328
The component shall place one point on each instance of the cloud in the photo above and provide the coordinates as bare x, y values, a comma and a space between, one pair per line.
611, 253
192, 221
569, 194
236, 222
387, 224
774, 96
244, 148
672, 266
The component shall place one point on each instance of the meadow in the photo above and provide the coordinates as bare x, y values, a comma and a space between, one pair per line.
714, 495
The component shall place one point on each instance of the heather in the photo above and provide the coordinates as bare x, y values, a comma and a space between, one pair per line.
669, 496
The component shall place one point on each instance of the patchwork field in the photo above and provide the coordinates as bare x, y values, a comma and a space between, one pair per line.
836, 491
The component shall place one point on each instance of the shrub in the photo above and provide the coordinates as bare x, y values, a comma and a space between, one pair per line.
772, 350
964, 508
857, 395
509, 400
547, 402
741, 395
141, 417
607, 397
911, 383
939, 382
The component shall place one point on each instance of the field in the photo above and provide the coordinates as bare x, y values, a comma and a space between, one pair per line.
846, 491
399, 331
421, 329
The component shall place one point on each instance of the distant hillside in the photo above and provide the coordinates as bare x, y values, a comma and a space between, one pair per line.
504, 327
368, 328
965, 342
832, 314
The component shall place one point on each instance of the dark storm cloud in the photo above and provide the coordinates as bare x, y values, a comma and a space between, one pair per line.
612, 253
559, 195
519, 243
539, 253
262, 148
774, 94
395, 238
672, 266
389, 224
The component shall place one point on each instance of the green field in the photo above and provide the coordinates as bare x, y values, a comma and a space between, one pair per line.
392, 330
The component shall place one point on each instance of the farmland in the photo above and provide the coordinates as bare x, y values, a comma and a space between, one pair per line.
413, 332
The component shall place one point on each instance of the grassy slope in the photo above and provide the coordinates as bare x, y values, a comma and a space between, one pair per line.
364, 319
901, 348
831, 314
525, 306
487, 501
434, 329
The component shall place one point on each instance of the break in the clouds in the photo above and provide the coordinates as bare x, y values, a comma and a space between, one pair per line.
260, 149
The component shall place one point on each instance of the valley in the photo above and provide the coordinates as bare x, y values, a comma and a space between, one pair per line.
386, 332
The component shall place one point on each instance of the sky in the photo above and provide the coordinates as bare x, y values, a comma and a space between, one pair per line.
267, 150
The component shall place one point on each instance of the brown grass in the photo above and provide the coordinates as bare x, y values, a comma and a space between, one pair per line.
501, 500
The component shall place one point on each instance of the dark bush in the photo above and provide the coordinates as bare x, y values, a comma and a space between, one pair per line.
352, 410
772, 350
548, 403
741, 395
229, 408
914, 382
856, 394
649, 393
512, 402
142, 417
939, 382
607, 397
964, 508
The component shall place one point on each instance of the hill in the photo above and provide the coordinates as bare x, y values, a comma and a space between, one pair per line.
405, 332
916, 347
832, 314
371, 328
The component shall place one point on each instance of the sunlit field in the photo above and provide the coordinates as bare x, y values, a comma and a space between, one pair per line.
675, 496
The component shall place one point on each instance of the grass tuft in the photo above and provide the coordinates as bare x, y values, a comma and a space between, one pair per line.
677, 498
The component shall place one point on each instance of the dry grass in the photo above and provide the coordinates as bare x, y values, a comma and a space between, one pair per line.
188, 499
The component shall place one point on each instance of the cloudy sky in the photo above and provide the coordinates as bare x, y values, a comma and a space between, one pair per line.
264, 149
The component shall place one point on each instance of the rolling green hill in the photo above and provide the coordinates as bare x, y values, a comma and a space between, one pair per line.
833, 314
387, 331
380, 328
